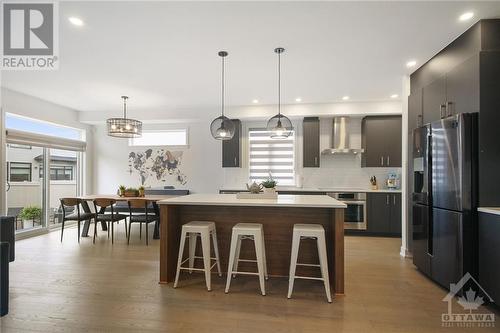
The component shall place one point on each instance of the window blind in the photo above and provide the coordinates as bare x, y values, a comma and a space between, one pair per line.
271, 156
41, 140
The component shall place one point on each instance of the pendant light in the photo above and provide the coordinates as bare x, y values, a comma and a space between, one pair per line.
222, 128
279, 125
124, 127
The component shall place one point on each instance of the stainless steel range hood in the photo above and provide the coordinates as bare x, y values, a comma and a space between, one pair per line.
340, 138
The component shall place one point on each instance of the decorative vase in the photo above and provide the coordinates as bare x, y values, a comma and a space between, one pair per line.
374, 187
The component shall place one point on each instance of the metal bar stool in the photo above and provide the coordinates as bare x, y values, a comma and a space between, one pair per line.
192, 230
255, 232
309, 231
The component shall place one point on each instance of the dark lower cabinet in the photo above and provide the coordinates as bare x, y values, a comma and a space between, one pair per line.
489, 254
384, 213
231, 149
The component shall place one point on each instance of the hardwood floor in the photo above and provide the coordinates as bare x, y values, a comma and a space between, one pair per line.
105, 288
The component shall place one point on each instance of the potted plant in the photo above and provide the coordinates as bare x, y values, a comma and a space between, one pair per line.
269, 185
141, 191
121, 190
31, 213
131, 192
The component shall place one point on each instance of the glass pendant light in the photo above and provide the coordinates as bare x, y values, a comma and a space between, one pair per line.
124, 127
279, 125
222, 128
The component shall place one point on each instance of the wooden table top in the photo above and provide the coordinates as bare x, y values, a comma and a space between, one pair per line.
151, 197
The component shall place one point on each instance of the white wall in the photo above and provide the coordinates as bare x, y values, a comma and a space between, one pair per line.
201, 161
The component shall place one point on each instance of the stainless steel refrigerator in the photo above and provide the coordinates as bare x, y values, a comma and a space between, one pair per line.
445, 198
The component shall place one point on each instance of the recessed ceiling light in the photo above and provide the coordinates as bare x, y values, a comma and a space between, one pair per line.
298, 99
255, 101
466, 16
345, 98
411, 63
76, 21
394, 96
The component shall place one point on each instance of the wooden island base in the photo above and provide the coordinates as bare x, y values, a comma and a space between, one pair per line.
278, 226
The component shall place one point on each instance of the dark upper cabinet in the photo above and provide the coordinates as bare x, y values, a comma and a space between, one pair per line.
434, 100
231, 149
415, 111
384, 213
462, 87
311, 157
455, 92
381, 140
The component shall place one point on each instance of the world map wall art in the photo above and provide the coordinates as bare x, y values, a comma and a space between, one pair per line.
159, 165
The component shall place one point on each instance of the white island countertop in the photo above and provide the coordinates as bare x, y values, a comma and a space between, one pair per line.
307, 201
489, 210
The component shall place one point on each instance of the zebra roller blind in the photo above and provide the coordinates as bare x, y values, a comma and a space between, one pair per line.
271, 156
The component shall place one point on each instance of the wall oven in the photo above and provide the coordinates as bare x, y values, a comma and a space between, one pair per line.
355, 213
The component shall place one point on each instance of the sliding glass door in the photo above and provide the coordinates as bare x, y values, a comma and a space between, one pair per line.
25, 186
64, 181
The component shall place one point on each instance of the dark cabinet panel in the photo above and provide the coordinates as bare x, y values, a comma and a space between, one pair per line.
415, 112
231, 149
434, 100
384, 213
379, 212
393, 138
381, 139
489, 254
311, 142
462, 87
422, 244
396, 214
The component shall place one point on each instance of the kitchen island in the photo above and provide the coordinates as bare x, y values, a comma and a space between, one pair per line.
277, 216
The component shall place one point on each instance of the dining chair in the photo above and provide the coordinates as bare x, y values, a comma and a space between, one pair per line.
68, 206
100, 206
146, 216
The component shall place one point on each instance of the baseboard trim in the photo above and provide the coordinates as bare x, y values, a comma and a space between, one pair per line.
405, 253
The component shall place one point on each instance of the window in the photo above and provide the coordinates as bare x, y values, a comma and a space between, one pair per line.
16, 122
19, 172
177, 137
271, 156
59, 172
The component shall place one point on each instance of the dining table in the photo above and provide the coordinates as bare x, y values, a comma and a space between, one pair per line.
151, 197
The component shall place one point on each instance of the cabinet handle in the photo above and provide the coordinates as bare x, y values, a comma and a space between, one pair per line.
394, 199
442, 111
382, 160
235, 161
388, 160
316, 160
387, 199
420, 120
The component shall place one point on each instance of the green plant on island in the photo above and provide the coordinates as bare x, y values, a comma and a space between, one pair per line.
31, 213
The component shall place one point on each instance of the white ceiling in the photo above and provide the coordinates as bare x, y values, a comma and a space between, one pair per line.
164, 54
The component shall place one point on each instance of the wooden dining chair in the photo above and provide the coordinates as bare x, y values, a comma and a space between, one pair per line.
100, 206
66, 203
146, 216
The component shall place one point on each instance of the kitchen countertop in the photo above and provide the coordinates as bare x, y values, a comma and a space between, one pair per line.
307, 201
321, 189
490, 210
